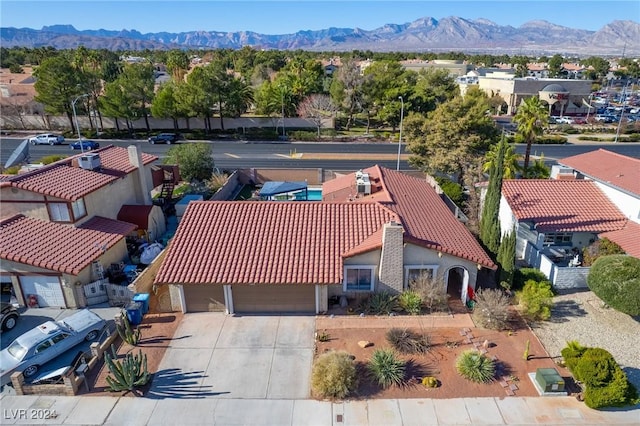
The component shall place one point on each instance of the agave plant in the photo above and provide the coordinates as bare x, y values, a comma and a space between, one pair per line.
386, 368
128, 374
475, 366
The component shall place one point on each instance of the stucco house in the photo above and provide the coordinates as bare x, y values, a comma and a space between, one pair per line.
373, 231
59, 219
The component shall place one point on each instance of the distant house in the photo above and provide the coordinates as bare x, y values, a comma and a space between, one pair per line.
374, 231
61, 220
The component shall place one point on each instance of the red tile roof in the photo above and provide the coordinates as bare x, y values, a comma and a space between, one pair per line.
614, 169
267, 242
63, 180
628, 238
562, 205
58, 247
426, 218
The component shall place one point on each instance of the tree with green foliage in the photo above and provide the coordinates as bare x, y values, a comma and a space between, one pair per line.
433, 87
555, 65
385, 82
510, 162
522, 66
346, 90
531, 118
536, 300
449, 139
600, 67
138, 81
177, 64
194, 159
616, 280
164, 104
490, 222
507, 258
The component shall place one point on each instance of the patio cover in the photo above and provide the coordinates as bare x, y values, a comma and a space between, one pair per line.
270, 189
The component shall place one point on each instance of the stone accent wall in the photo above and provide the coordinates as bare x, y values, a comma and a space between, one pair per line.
392, 259
575, 277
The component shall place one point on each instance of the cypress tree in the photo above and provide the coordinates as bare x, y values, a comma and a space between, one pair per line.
490, 223
507, 259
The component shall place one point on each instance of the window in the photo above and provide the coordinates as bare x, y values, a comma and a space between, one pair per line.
59, 212
419, 272
558, 238
79, 209
59, 338
43, 346
358, 278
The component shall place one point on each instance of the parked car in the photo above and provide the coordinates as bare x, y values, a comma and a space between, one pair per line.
46, 139
167, 138
9, 317
84, 144
47, 341
565, 120
606, 118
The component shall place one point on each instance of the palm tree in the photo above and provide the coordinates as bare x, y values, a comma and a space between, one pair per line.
510, 162
531, 118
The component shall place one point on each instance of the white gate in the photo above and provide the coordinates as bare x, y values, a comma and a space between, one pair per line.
119, 295
96, 292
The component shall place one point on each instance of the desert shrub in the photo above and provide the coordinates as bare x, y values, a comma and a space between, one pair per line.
616, 280
572, 353
523, 275
491, 309
536, 300
301, 135
598, 248
551, 139
411, 302
386, 368
216, 181
408, 342
453, 189
619, 392
380, 304
595, 367
430, 382
49, 159
432, 291
334, 375
475, 366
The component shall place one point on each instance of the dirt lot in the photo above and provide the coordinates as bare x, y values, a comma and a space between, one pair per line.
447, 344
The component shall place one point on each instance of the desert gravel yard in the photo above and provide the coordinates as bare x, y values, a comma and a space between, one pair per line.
582, 316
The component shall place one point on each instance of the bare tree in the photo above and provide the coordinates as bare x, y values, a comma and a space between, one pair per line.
491, 309
316, 108
432, 291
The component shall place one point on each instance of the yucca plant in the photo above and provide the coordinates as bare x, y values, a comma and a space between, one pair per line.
408, 342
386, 368
127, 333
475, 366
128, 374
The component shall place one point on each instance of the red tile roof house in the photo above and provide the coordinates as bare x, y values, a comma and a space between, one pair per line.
278, 256
58, 219
554, 220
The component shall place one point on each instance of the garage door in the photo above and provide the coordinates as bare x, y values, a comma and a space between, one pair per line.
274, 298
204, 298
46, 288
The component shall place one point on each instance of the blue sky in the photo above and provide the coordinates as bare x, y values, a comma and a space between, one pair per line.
283, 17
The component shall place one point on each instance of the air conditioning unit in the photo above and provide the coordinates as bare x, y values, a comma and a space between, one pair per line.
363, 184
89, 161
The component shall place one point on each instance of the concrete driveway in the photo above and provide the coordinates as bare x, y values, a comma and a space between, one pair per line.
217, 355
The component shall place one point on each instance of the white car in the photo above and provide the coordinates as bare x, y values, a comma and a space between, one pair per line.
47, 341
46, 139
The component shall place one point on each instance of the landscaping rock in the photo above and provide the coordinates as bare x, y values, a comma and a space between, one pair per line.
364, 344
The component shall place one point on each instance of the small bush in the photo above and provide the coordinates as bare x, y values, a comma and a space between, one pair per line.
536, 300
49, 159
408, 342
411, 302
386, 368
572, 353
616, 280
491, 309
380, 304
598, 248
334, 375
595, 367
522, 275
430, 382
475, 366
323, 336
619, 392
432, 291
551, 139
300, 135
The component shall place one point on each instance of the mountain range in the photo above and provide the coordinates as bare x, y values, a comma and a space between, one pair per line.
424, 34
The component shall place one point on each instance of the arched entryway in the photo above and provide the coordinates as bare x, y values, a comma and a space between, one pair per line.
457, 283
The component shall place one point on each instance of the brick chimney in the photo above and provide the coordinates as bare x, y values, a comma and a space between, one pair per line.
141, 186
391, 275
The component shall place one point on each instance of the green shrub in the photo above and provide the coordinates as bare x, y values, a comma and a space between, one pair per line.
619, 392
126, 374
475, 366
386, 368
380, 304
616, 280
491, 309
300, 135
430, 382
572, 353
334, 375
551, 139
536, 300
408, 342
411, 302
522, 275
452, 189
595, 367
598, 248
49, 159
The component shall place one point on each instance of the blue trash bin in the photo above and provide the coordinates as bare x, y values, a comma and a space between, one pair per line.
142, 298
134, 313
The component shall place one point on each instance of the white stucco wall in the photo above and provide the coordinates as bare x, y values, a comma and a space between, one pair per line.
628, 205
506, 217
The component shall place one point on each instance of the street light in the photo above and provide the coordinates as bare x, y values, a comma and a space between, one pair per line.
75, 117
400, 138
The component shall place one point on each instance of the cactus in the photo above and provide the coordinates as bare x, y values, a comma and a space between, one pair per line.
129, 373
126, 333
525, 356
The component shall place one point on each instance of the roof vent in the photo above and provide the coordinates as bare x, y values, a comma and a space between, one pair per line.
89, 162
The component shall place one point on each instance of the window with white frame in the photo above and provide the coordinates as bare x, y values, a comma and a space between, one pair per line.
59, 212
557, 238
413, 273
358, 278
79, 210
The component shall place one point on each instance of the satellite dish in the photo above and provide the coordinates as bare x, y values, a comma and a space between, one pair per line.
19, 155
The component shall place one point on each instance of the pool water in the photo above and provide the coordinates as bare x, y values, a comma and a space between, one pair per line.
312, 195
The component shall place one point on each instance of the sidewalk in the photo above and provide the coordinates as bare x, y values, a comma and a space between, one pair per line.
131, 411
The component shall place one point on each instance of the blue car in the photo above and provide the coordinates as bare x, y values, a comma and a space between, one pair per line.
85, 145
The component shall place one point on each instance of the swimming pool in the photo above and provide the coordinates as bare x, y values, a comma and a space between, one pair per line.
313, 194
